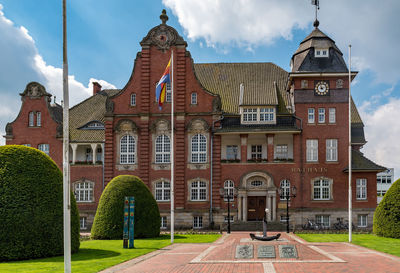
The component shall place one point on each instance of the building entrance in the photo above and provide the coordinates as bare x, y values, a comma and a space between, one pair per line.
255, 208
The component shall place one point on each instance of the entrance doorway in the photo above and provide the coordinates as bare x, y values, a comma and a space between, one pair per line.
255, 208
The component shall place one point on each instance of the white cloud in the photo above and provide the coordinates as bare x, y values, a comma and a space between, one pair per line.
382, 130
20, 64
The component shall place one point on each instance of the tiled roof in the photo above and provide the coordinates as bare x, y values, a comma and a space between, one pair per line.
355, 116
360, 163
91, 109
258, 79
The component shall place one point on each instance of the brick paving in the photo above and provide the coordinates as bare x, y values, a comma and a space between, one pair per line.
220, 257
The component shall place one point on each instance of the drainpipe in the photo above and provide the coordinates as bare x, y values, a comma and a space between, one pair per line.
103, 151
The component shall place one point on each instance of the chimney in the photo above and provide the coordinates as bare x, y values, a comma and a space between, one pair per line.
96, 88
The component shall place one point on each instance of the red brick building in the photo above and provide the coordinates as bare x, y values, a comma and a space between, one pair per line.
248, 128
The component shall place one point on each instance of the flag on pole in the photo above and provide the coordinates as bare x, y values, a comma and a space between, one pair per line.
161, 88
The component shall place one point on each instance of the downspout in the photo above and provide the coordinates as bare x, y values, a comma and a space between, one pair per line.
211, 171
103, 151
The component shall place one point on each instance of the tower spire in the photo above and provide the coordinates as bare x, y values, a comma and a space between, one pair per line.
316, 4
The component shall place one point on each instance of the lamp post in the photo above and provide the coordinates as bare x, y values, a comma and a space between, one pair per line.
229, 194
285, 193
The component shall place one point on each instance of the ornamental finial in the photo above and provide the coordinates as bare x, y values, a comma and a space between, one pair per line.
163, 16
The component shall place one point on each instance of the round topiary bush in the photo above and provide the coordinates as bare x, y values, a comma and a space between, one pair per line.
109, 219
387, 214
31, 205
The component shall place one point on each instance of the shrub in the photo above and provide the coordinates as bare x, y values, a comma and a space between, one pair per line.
387, 214
109, 219
31, 205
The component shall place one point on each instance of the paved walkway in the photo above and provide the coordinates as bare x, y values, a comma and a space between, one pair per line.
220, 256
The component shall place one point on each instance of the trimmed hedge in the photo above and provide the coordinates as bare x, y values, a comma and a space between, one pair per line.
109, 219
387, 214
31, 205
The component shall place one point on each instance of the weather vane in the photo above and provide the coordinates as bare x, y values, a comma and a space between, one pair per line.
316, 4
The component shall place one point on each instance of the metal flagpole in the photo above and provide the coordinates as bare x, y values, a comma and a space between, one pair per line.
172, 148
350, 195
66, 188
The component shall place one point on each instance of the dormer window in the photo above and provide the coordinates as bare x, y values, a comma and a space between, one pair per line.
93, 125
321, 52
258, 115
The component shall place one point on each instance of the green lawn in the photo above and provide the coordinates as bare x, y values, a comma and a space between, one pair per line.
387, 245
96, 255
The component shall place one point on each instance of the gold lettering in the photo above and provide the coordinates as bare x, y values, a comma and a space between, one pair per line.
316, 170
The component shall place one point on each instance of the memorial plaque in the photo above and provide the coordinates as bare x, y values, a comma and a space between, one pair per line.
266, 252
287, 251
244, 252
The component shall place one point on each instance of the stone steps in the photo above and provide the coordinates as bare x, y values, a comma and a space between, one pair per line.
255, 226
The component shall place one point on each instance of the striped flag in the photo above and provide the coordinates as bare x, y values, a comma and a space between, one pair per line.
161, 88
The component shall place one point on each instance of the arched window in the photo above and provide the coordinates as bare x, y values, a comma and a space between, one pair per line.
31, 119
199, 149
229, 187
38, 119
127, 150
285, 185
198, 191
84, 191
163, 190
163, 149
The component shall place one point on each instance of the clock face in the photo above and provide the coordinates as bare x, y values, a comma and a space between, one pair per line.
321, 88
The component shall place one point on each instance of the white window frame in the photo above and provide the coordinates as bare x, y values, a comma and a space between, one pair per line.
321, 189
285, 185
99, 154
133, 99
281, 151
258, 115
249, 115
26, 145
266, 115
193, 98
198, 146
83, 223
229, 187
362, 220
31, 119
168, 92
198, 190
162, 191
312, 150
38, 119
321, 52
361, 189
127, 150
83, 191
321, 115
162, 149
197, 222
311, 115
45, 148
163, 224
256, 152
232, 152
332, 115
331, 150
323, 219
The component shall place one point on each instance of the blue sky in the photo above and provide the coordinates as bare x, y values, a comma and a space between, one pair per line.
104, 36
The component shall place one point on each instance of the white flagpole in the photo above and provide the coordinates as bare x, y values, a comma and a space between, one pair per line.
350, 195
172, 148
66, 186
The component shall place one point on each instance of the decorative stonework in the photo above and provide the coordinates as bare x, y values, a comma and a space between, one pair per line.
198, 126
9, 130
161, 127
216, 104
35, 90
304, 84
126, 125
339, 83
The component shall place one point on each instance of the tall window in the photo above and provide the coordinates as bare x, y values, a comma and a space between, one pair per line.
163, 222
323, 220
267, 114
256, 151
163, 149
361, 189
231, 152
362, 220
281, 151
83, 222
194, 98
322, 189
163, 191
168, 93
133, 99
99, 154
198, 191
311, 115
321, 115
127, 150
84, 191
285, 185
229, 187
89, 155
31, 119
250, 114
332, 115
331, 150
197, 221
312, 150
38, 119
199, 149
44, 148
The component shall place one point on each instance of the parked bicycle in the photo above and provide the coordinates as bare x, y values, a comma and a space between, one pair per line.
339, 225
311, 225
